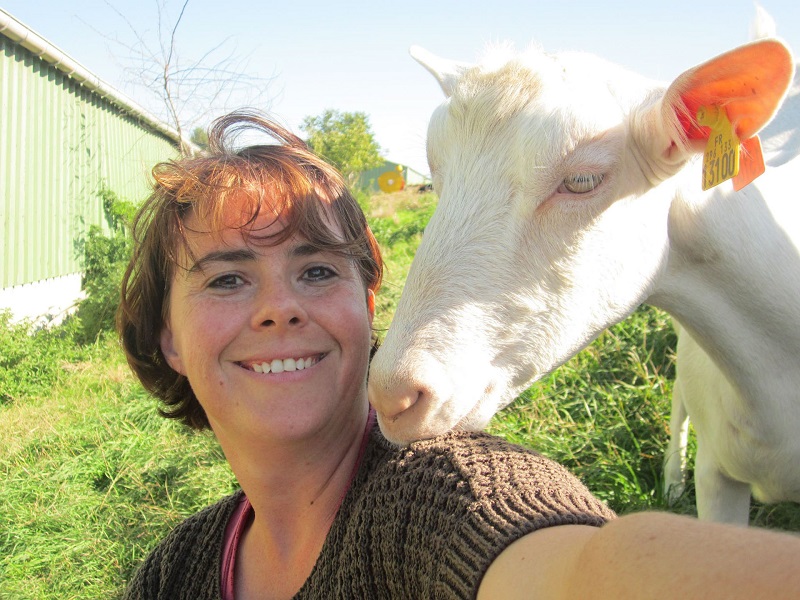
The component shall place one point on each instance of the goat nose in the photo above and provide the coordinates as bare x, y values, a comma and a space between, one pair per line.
390, 403
407, 407
412, 393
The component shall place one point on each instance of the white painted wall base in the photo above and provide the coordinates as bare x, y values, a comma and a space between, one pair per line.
45, 302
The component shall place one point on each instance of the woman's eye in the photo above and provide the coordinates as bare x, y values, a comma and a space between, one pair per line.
226, 282
582, 183
319, 273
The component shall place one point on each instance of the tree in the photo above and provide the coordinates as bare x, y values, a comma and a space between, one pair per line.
184, 93
199, 138
344, 139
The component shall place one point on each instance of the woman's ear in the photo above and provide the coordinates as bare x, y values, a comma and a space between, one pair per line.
169, 350
371, 305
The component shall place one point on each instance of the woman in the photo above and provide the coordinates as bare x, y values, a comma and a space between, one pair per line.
247, 308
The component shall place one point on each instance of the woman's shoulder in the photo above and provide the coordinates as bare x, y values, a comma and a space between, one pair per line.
482, 459
195, 541
462, 498
484, 468
209, 522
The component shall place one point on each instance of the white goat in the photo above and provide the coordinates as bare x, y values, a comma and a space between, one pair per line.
569, 194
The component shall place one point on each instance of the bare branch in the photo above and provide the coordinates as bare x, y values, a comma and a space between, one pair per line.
189, 92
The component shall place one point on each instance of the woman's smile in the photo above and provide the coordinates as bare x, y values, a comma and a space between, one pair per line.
281, 365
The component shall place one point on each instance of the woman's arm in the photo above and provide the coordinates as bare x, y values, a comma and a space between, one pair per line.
647, 555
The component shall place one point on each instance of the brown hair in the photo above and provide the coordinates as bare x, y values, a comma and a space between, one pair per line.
285, 179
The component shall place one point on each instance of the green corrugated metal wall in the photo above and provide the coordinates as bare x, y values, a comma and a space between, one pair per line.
59, 143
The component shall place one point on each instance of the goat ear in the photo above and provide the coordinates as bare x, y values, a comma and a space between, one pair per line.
750, 82
446, 72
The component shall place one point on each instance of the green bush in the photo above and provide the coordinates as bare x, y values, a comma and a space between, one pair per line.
398, 236
106, 256
404, 226
32, 360
362, 196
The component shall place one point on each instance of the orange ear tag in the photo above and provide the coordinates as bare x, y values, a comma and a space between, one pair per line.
751, 163
722, 159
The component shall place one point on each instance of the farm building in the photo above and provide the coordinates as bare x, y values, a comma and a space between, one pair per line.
370, 179
65, 135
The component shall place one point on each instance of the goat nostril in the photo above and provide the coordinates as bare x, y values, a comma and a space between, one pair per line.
392, 402
402, 405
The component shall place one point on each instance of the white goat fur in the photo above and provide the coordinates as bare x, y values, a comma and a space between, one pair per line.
515, 273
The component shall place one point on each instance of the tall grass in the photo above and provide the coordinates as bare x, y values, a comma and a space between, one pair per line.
91, 477
605, 414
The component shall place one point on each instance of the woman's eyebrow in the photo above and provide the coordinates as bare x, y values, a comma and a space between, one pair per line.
243, 254
305, 249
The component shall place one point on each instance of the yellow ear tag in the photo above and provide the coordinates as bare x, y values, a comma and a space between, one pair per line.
721, 157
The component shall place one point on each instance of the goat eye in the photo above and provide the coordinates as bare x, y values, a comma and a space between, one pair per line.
582, 183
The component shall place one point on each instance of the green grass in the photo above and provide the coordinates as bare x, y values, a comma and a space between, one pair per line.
398, 235
605, 414
32, 360
91, 477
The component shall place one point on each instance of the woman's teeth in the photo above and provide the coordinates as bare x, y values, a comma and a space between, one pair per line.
287, 364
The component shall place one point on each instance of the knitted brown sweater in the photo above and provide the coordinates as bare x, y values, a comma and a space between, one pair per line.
419, 522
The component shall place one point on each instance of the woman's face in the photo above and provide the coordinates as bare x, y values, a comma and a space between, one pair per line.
274, 340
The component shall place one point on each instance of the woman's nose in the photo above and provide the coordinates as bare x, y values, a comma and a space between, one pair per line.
279, 306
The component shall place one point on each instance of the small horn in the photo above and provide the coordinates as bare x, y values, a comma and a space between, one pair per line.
446, 72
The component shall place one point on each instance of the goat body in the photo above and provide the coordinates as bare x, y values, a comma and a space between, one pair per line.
570, 193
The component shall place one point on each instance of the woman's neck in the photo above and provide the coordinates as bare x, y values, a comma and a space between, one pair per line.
295, 491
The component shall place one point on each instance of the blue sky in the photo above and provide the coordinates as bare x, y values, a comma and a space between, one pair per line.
353, 56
